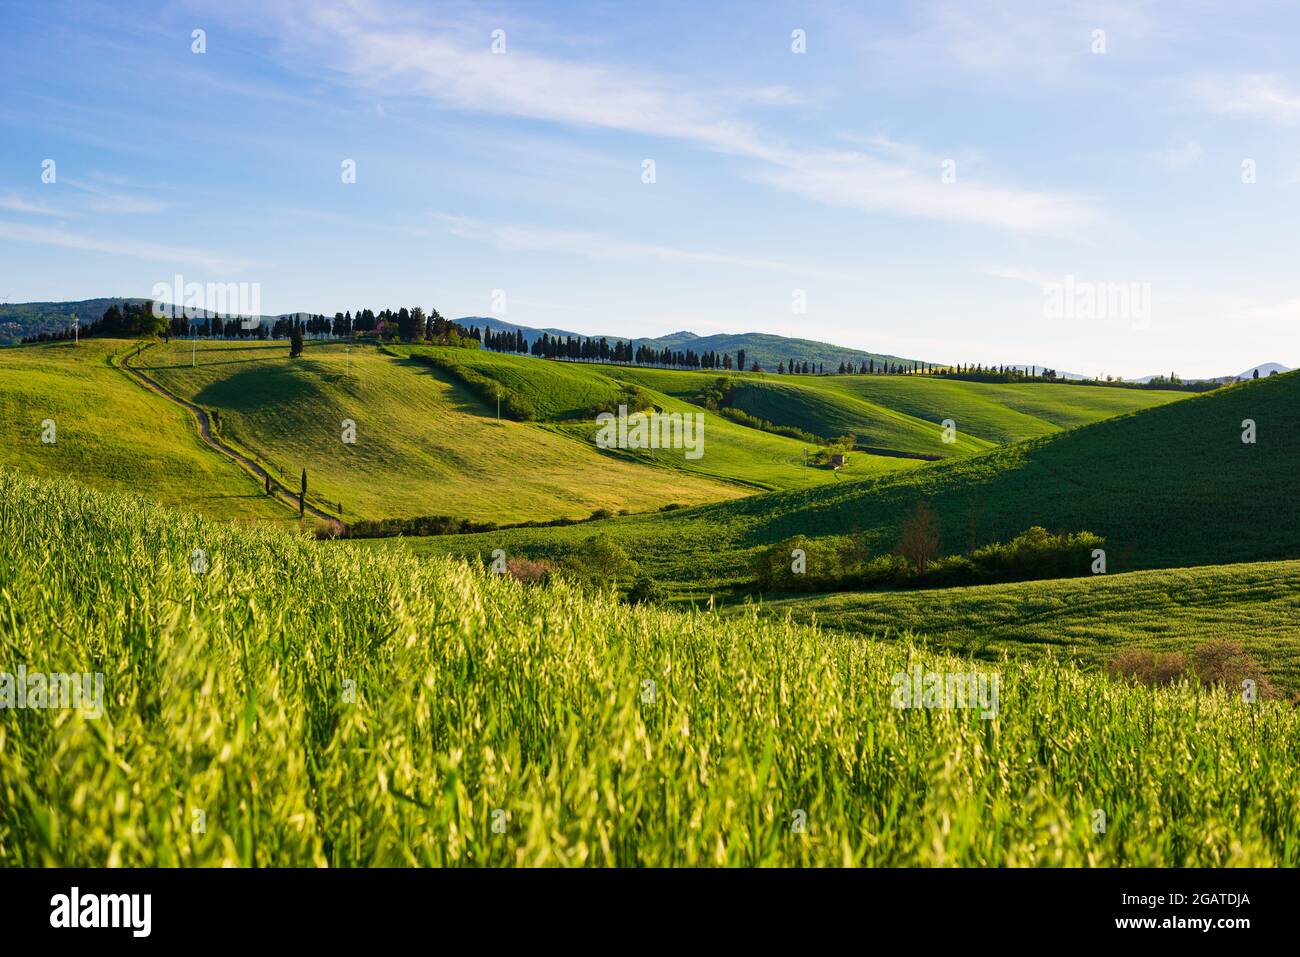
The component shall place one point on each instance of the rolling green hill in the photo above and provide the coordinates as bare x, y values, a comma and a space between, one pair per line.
110, 433
824, 410
897, 413
739, 453
997, 413
678, 383
1254, 603
321, 705
764, 348
424, 445
905, 413
565, 391
1167, 486
556, 390
428, 445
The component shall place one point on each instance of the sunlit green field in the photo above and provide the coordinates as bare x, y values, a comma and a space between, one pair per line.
111, 433
315, 704
757, 460
424, 445
1168, 486
996, 412
897, 413
1256, 604
427, 445
901, 413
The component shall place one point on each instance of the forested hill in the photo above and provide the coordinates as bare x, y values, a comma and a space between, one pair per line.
765, 349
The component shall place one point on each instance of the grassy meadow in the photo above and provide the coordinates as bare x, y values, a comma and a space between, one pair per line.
897, 413
111, 433
1168, 486
562, 392
314, 704
423, 438
985, 414
424, 444
1256, 604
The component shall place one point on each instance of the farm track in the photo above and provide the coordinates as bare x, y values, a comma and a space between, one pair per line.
279, 490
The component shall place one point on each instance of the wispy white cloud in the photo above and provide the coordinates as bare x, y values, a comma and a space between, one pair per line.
1019, 41
531, 238
1263, 96
85, 198
16, 204
390, 51
398, 53
112, 201
872, 184
156, 252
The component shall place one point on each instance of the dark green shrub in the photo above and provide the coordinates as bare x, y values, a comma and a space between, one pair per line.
776, 568
633, 397
645, 590
829, 566
598, 559
1036, 553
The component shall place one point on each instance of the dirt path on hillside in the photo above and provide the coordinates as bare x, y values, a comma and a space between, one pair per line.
278, 489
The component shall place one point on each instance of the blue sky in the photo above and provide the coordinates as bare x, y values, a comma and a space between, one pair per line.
778, 175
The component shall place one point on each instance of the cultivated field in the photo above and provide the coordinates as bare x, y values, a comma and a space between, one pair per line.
991, 413
423, 438
1167, 486
424, 445
1256, 604
299, 703
897, 413
111, 433
760, 461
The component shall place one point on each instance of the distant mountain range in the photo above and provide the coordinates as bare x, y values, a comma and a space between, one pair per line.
1267, 368
764, 348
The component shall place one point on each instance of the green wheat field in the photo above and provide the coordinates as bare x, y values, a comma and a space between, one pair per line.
490, 723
